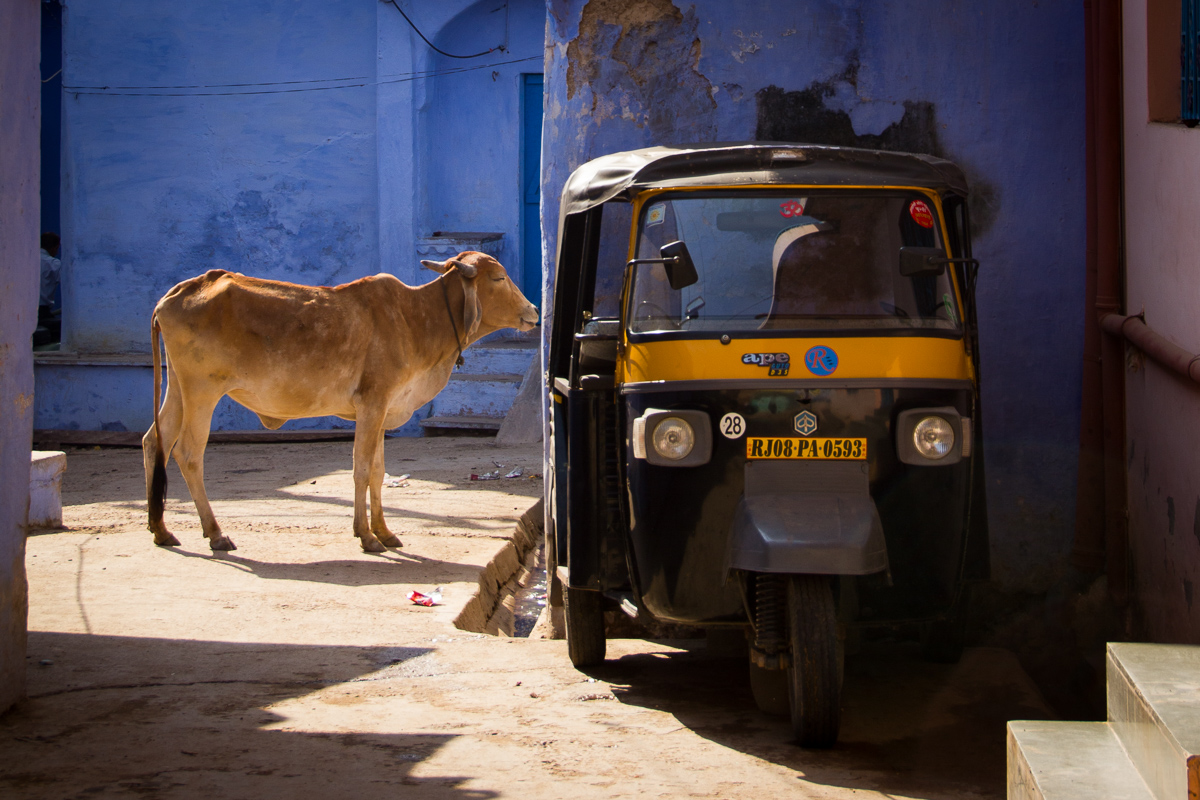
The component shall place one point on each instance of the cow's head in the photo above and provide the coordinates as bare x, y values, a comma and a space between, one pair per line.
491, 300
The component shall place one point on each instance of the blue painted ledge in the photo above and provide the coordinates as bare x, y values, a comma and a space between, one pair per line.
115, 393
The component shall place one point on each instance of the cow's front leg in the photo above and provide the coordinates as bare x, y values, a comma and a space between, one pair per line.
378, 523
368, 439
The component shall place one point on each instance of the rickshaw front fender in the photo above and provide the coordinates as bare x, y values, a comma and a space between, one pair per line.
828, 526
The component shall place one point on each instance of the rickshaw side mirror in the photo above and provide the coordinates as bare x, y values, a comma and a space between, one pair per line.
677, 261
918, 262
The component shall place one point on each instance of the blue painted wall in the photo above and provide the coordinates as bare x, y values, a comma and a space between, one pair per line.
191, 169
997, 88
289, 139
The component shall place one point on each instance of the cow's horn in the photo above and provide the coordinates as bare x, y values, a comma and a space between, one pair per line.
436, 266
468, 271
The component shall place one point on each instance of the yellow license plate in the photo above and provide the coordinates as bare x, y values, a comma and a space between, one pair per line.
788, 447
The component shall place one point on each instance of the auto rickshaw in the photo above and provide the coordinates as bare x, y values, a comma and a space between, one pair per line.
764, 405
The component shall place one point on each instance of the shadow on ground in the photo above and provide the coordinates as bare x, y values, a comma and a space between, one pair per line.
909, 727
379, 569
155, 717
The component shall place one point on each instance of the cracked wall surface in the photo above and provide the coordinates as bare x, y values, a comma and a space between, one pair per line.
999, 90
639, 62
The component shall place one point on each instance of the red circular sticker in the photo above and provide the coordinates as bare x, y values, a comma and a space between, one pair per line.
920, 213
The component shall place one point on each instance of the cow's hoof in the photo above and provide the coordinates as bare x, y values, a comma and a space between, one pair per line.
222, 543
165, 539
389, 540
372, 545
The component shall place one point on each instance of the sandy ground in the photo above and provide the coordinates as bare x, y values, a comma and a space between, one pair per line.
295, 667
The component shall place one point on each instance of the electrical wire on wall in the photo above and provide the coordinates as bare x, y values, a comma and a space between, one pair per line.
342, 83
501, 47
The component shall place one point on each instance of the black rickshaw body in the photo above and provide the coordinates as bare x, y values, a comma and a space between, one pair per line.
819, 354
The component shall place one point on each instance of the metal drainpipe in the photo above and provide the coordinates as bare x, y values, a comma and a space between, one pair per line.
1161, 349
1102, 428
1169, 355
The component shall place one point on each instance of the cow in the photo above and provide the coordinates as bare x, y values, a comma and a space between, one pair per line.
372, 351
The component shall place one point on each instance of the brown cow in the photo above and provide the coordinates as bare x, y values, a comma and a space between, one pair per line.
372, 351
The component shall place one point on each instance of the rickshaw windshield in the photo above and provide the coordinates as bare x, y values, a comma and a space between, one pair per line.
828, 260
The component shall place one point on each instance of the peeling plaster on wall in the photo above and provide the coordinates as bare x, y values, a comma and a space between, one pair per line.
826, 112
748, 44
22, 403
640, 63
805, 116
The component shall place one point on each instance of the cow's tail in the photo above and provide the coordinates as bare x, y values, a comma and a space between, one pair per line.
158, 481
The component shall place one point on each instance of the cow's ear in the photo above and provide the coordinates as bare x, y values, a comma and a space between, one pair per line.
437, 266
472, 312
469, 272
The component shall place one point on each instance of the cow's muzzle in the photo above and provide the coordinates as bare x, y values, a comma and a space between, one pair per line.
528, 319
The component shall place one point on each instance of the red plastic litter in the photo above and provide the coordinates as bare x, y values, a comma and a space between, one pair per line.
432, 599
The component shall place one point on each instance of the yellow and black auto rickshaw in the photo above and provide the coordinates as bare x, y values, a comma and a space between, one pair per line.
764, 405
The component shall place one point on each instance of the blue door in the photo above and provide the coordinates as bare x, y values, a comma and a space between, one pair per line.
531, 187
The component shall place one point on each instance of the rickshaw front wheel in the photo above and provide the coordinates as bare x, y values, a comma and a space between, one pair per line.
584, 611
814, 677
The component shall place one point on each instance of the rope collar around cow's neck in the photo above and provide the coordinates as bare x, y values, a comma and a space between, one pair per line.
454, 325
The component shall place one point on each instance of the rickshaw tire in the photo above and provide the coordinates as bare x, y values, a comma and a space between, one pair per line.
585, 626
815, 678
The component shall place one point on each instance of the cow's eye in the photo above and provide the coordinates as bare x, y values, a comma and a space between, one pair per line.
497, 280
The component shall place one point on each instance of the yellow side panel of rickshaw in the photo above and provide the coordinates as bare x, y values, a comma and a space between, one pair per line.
858, 358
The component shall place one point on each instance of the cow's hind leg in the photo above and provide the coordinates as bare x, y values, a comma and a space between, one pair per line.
378, 523
169, 417
189, 454
368, 439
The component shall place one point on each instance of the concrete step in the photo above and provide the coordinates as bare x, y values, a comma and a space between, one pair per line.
1070, 761
476, 396
1154, 709
464, 422
486, 358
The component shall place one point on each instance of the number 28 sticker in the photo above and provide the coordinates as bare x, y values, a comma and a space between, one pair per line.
733, 426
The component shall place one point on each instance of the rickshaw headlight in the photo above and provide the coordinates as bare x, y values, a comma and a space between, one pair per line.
933, 437
679, 437
674, 438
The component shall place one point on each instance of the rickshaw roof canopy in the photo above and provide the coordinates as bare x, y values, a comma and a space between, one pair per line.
624, 175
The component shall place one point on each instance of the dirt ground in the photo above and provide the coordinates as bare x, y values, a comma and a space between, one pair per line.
294, 667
